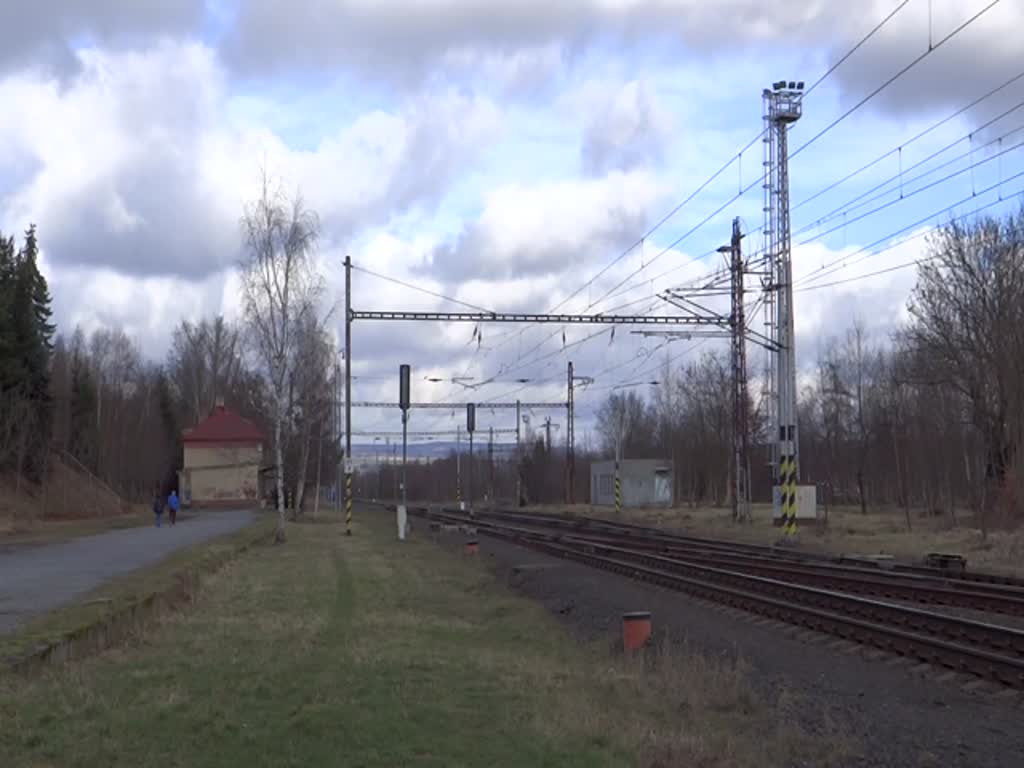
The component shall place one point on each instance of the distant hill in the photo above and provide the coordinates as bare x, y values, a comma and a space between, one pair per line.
364, 453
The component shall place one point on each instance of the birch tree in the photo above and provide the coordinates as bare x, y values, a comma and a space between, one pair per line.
280, 289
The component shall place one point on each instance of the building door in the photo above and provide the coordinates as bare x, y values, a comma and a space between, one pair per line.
662, 487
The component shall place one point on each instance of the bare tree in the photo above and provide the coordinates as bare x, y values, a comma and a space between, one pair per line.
968, 315
280, 290
205, 362
309, 393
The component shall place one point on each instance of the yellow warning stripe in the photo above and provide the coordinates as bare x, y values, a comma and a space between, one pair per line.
348, 504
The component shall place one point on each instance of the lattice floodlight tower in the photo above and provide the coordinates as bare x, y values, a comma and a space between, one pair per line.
783, 107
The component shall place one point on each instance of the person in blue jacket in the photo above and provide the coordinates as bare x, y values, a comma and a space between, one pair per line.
172, 505
158, 507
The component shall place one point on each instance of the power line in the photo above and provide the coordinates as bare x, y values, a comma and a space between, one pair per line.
908, 195
894, 78
876, 273
419, 288
843, 261
921, 135
739, 155
855, 48
860, 200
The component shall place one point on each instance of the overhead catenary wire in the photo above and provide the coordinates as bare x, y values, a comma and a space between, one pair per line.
867, 251
918, 136
855, 48
908, 195
735, 158
864, 197
649, 262
893, 78
421, 289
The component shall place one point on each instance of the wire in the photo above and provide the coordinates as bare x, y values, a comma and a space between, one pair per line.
853, 50
821, 133
831, 268
421, 290
908, 195
849, 204
876, 273
894, 78
904, 145
661, 222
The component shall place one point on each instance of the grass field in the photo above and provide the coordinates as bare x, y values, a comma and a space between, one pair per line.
366, 652
845, 531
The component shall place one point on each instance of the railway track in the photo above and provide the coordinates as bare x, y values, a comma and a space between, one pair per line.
1006, 592
983, 649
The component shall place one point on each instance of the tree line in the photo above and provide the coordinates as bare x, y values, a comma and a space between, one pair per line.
928, 419
96, 401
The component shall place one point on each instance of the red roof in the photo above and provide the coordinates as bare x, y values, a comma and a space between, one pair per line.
224, 426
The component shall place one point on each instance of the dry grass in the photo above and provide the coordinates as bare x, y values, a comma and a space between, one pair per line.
846, 531
363, 651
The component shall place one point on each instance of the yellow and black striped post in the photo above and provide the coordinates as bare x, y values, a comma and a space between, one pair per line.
618, 490
787, 489
348, 503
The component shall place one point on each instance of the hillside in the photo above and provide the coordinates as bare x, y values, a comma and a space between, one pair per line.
68, 493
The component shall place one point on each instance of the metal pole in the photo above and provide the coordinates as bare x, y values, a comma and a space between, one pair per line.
490, 463
469, 482
618, 474
570, 444
348, 395
458, 465
740, 430
401, 522
519, 460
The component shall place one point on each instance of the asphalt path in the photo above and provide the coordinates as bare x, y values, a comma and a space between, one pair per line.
38, 579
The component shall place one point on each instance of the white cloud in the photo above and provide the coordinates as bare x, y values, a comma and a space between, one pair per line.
627, 128
402, 41
546, 228
135, 167
39, 33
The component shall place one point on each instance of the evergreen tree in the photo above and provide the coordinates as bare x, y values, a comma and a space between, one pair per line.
9, 368
31, 342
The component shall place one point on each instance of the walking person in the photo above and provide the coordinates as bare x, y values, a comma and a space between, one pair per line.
158, 507
172, 505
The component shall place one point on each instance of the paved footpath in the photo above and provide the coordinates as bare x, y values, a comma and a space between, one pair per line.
38, 579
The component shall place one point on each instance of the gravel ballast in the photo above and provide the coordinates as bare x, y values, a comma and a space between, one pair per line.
899, 716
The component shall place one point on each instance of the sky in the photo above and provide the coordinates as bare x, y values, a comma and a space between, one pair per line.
501, 154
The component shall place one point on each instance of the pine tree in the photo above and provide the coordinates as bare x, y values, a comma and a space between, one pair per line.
9, 368
32, 339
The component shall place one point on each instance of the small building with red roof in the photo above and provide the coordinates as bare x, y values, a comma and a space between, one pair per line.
223, 455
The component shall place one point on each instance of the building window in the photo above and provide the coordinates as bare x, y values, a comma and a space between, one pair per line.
605, 484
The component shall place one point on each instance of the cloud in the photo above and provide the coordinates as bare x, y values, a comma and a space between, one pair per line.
43, 32
984, 55
147, 309
531, 230
136, 166
401, 42
117, 162
627, 128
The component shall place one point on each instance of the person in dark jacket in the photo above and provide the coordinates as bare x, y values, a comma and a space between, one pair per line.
172, 505
158, 507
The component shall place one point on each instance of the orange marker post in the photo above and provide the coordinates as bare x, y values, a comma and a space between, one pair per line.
636, 630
